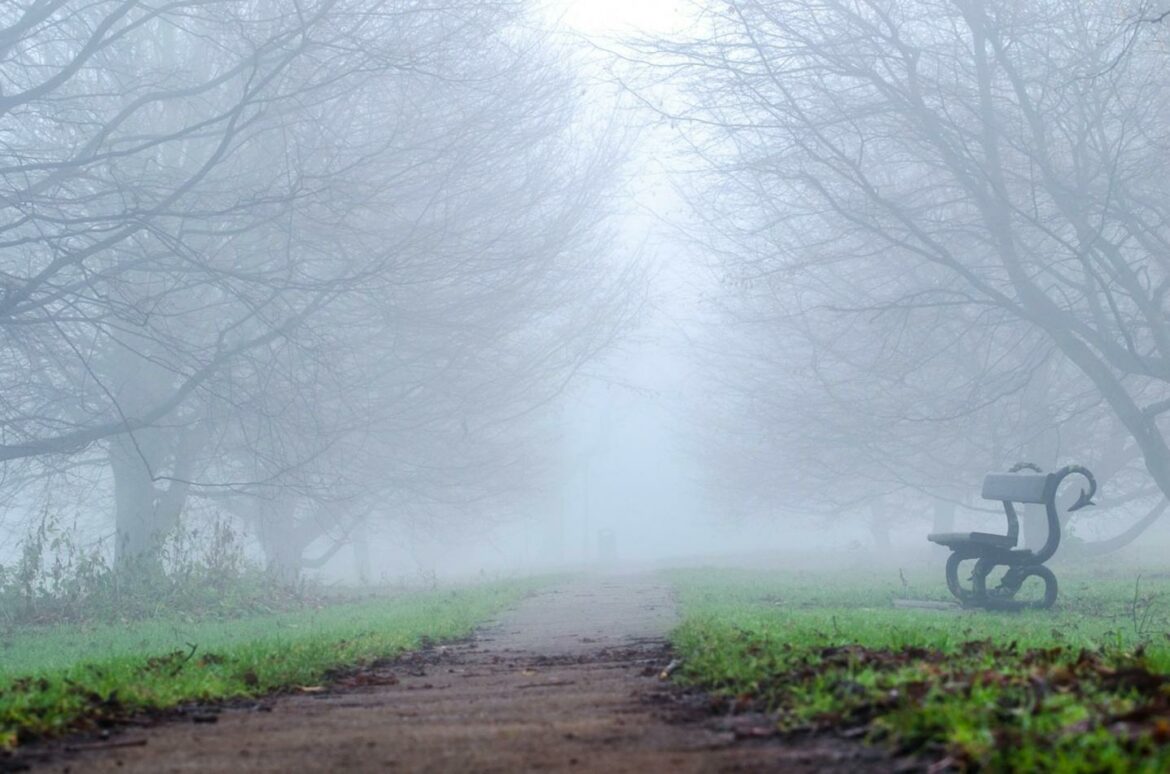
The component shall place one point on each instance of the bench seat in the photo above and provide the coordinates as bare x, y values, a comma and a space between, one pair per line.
954, 540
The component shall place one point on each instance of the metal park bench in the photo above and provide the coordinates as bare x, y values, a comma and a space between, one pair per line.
989, 550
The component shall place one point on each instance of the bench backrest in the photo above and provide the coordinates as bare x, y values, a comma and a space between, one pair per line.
1016, 487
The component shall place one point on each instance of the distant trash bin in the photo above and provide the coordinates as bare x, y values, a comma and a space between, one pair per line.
606, 545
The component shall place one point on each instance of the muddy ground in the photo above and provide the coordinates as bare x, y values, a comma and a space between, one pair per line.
566, 681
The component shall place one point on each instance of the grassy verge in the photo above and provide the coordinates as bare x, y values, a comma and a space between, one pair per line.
61, 678
1082, 688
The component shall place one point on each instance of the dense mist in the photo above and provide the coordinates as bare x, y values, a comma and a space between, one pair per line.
393, 292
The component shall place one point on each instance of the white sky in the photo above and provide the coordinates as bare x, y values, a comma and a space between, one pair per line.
616, 17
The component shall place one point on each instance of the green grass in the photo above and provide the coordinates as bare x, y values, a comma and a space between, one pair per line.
62, 678
1080, 688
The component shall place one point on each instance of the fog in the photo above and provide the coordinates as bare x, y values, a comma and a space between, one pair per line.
403, 293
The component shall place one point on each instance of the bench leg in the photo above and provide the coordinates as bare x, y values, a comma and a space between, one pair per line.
967, 597
1003, 597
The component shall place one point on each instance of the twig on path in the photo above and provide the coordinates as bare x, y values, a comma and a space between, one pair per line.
549, 684
105, 745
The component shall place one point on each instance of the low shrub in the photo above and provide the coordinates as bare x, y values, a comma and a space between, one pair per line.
201, 571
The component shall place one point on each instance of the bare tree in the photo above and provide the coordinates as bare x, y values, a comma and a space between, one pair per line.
245, 240
976, 190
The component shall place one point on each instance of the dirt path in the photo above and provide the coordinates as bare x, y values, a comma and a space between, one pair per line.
567, 681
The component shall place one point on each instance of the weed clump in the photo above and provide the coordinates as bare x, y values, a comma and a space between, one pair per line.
201, 572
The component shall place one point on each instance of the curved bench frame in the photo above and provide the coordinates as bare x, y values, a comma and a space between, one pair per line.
990, 550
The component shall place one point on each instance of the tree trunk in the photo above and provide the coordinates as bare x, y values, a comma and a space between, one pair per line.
943, 521
944, 516
1118, 542
360, 537
1042, 449
138, 539
145, 514
879, 526
284, 539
